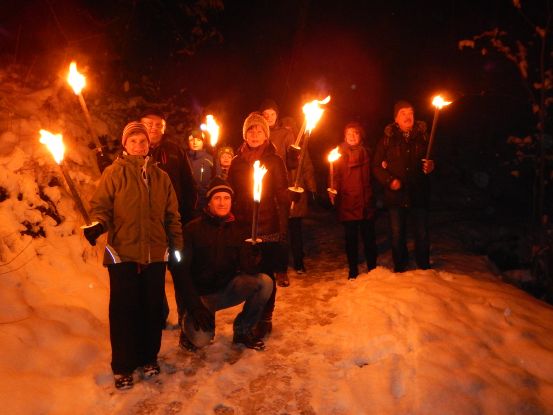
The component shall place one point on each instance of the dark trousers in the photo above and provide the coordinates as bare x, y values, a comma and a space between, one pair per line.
296, 241
135, 314
272, 254
398, 229
353, 230
252, 290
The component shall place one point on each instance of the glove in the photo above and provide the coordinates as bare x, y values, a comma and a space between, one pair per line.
92, 232
427, 166
294, 196
202, 319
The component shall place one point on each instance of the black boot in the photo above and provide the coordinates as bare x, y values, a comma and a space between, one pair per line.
249, 340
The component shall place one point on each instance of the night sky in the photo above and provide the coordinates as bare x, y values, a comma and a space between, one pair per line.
366, 55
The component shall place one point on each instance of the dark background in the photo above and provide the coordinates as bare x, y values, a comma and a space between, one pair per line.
225, 57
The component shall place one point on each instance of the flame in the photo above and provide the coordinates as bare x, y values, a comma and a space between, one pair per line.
76, 79
439, 102
54, 142
258, 173
313, 113
334, 155
212, 128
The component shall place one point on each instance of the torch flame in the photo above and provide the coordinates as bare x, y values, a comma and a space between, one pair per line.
334, 155
76, 79
439, 102
258, 173
54, 142
313, 113
212, 128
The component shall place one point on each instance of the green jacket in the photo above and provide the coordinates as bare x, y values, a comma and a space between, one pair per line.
142, 219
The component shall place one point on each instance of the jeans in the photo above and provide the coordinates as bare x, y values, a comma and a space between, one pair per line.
135, 314
253, 290
353, 229
398, 229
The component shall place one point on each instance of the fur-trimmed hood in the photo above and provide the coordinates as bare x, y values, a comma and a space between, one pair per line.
418, 127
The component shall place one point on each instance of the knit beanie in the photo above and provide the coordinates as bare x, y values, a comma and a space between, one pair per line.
134, 127
268, 104
400, 105
225, 150
255, 118
196, 134
218, 185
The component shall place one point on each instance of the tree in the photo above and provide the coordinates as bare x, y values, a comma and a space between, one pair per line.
529, 48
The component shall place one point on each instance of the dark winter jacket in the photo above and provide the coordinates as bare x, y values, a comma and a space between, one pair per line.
214, 254
352, 180
171, 159
202, 169
399, 157
142, 220
275, 201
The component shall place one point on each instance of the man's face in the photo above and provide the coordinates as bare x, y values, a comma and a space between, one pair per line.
255, 136
405, 118
195, 143
271, 116
137, 145
220, 204
225, 159
352, 136
155, 126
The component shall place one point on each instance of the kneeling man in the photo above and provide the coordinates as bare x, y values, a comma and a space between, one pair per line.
219, 270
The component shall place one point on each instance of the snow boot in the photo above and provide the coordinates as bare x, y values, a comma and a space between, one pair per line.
263, 328
249, 340
186, 344
123, 381
282, 279
151, 370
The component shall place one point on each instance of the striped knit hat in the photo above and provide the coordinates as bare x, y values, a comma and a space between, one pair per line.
218, 185
134, 127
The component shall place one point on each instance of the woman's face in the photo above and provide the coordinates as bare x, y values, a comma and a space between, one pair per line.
352, 136
137, 145
271, 116
195, 144
255, 136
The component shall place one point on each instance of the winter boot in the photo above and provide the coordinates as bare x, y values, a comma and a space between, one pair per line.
123, 381
299, 267
263, 328
282, 279
249, 340
186, 344
151, 370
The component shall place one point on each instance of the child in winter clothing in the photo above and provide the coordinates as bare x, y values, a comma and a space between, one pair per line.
354, 199
136, 204
224, 159
202, 167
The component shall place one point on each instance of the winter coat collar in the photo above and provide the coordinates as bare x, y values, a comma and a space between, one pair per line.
393, 128
217, 220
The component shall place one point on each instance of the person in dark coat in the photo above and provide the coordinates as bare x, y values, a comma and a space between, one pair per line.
400, 166
202, 166
354, 198
171, 159
274, 207
220, 270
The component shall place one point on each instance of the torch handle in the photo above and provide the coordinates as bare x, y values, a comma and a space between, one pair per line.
76, 198
432, 133
89, 121
300, 161
300, 134
255, 219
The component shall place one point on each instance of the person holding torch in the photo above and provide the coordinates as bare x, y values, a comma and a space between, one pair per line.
135, 203
351, 193
274, 203
401, 166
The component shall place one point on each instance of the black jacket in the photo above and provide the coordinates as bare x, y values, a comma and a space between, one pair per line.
398, 157
173, 161
215, 252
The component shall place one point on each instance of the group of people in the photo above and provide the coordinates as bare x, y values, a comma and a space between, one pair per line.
161, 206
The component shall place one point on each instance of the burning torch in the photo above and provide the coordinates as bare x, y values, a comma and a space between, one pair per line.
54, 143
313, 113
213, 129
438, 103
258, 173
332, 157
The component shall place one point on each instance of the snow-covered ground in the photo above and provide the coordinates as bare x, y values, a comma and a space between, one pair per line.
452, 340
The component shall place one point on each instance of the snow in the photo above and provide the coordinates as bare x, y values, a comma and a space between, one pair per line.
451, 340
